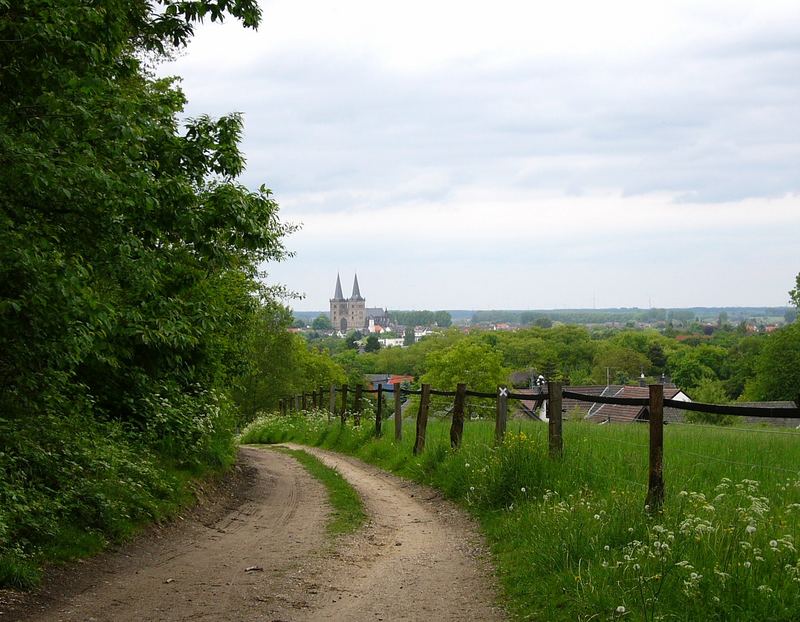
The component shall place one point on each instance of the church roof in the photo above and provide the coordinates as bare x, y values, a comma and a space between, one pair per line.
338, 294
356, 293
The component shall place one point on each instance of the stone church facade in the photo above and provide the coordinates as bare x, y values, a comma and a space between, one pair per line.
348, 313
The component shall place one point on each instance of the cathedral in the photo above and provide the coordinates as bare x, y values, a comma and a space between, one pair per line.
352, 313
348, 313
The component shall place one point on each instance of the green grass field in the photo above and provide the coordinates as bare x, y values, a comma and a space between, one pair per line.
572, 539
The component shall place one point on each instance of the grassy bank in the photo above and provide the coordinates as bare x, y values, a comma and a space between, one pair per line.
571, 538
71, 485
347, 513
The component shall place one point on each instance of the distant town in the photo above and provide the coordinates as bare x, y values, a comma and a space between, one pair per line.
398, 328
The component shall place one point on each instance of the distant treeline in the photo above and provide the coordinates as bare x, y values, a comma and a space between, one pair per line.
421, 318
578, 316
600, 316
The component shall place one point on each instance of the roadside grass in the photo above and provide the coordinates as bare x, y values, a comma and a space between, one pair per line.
347, 514
571, 538
70, 486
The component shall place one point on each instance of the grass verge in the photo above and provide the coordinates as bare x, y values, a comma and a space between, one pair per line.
347, 509
571, 538
70, 486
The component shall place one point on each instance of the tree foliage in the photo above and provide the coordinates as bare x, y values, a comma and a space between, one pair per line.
794, 293
128, 250
777, 369
421, 318
476, 364
321, 322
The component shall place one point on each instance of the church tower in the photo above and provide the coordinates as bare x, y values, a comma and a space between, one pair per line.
339, 313
357, 307
348, 313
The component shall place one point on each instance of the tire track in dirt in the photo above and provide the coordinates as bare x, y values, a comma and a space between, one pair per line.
419, 557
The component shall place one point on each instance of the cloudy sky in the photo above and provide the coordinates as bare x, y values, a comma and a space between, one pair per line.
520, 155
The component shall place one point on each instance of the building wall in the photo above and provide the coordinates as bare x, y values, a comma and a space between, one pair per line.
339, 312
357, 314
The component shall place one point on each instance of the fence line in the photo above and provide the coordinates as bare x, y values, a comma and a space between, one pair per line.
554, 395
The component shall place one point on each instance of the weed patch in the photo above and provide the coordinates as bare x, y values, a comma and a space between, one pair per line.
347, 509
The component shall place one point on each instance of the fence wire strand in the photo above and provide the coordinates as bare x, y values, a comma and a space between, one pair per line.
788, 432
736, 462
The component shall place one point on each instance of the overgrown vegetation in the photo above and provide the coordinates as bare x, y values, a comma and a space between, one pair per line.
129, 260
347, 509
571, 537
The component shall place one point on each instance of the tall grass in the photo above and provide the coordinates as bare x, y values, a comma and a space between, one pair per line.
572, 539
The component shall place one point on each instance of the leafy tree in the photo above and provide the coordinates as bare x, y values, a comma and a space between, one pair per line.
408, 337
794, 294
777, 374
373, 344
468, 361
710, 391
321, 322
352, 339
624, 364
129, 252
689, 366
442, 319
355, 367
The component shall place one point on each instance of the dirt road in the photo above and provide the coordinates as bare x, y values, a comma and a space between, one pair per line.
264, 555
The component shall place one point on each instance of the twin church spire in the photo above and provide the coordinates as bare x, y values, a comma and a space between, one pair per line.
356, 295
348, 313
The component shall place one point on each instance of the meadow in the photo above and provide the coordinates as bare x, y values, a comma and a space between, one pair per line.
572, 538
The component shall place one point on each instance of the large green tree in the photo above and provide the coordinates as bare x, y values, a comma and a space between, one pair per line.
777, 369
469, 361
128, 250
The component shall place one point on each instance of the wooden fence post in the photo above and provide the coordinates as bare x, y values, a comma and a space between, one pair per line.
422, 419
357, 406
321, 402
554, 416
655, 488
344, 404
457, 425
296, 403
501, 415
332, 402
379, 412
303, 400
398, 413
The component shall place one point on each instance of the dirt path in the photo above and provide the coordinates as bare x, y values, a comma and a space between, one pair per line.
265, 556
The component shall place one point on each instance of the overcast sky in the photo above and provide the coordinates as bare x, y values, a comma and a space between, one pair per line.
520, 155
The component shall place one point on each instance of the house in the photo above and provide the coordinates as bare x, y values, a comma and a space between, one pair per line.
603, 413
387, 380
616, 413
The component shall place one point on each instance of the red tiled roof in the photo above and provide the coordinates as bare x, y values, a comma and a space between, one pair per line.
399, 379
